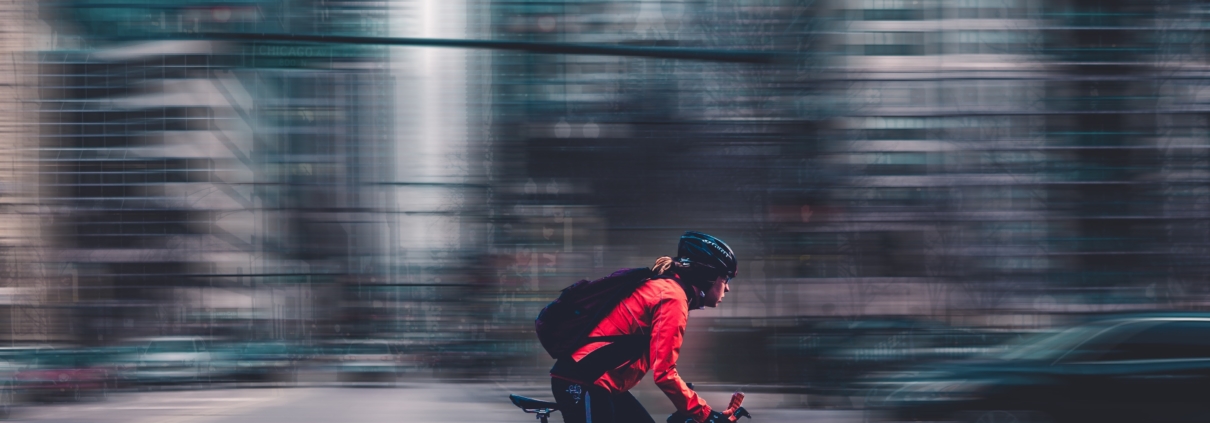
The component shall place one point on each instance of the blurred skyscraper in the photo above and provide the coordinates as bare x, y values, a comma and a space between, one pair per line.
1007, 159
981, 162
30, 284
986, 162
208, 187
935, 134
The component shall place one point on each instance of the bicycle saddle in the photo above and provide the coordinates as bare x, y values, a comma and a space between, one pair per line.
532, 404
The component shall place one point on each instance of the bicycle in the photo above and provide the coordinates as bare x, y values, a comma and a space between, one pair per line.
544, 408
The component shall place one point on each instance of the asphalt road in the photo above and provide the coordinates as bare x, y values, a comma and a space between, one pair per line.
404, 403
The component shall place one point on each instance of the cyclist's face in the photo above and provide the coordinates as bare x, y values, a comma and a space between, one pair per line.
717, 291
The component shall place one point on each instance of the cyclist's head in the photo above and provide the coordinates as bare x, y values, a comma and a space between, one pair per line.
701, 259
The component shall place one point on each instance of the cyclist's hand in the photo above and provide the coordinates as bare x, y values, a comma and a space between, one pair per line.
715, 417
740, 412
728, 416
733, 408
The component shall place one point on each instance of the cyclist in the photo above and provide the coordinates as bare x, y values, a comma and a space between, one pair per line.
593, 384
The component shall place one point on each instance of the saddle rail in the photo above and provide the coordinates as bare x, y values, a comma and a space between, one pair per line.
530, 405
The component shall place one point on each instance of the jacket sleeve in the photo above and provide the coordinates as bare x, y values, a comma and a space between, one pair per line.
667, 332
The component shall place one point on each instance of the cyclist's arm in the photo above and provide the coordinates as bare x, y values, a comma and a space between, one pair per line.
667, 332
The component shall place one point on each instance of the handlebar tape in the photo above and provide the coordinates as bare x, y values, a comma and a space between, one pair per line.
737, 399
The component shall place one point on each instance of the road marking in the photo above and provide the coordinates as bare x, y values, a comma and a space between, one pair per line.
276, 396
156, 407
197, 400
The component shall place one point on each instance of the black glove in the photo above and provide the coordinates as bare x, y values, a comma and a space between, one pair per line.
677, 417
741, 412
715, 417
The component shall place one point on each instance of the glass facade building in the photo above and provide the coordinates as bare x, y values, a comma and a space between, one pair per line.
216, 188
982, 163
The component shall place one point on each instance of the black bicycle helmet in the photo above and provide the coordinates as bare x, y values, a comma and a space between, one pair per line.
699, 249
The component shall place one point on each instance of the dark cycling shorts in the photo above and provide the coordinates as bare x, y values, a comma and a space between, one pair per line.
590, 404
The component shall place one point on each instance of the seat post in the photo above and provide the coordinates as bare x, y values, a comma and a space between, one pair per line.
529, 405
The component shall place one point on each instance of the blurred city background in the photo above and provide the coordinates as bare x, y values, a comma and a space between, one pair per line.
200, 192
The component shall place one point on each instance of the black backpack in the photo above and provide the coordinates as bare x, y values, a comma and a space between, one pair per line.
564, 324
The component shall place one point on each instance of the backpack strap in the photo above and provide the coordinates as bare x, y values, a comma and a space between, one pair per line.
610, 338
622, 350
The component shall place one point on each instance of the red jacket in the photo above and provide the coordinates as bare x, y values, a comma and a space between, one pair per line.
661, 309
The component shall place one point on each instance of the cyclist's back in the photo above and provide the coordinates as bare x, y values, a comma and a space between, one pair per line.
656, 313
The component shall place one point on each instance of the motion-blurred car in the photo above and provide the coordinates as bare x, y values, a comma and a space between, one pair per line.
1128, 369
829, 358
179, 359
64, 374
13, 360
361, 360
468, 359
263, 361
20, 357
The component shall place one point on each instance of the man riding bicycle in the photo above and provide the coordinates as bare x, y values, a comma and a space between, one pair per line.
593, 384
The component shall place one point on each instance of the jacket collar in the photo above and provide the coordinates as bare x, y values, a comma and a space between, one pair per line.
695, 295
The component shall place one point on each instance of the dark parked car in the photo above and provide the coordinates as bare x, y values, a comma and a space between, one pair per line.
175, 359
360, 361
274, 361
828, 358
1128, 369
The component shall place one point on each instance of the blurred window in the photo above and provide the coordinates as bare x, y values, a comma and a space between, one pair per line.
900, 128
60, 360
269, 348
1105, 340
894, 43
1047, 346
991, 42
991, 9
1079, 343
895, 163
368, 349
892, 10
160, 347
1171, 340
